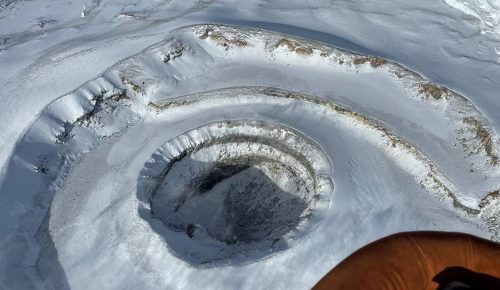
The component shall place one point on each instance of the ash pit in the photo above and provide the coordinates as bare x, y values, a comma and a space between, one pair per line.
237, 203
242, 193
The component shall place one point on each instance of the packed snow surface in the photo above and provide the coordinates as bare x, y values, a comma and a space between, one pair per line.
145, 148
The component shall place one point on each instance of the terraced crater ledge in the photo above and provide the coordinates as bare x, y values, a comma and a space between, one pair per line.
232, 190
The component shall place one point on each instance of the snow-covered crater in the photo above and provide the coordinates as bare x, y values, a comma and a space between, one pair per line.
238, 190
210, 158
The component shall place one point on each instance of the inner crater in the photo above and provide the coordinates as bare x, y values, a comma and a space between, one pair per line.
236, 191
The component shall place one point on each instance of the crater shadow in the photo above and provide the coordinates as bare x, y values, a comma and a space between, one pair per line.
30, 171
48, 266
228, 214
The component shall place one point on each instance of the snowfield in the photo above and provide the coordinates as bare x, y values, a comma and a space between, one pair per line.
145, 148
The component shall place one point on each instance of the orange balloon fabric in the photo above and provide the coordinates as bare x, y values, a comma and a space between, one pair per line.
419, 261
